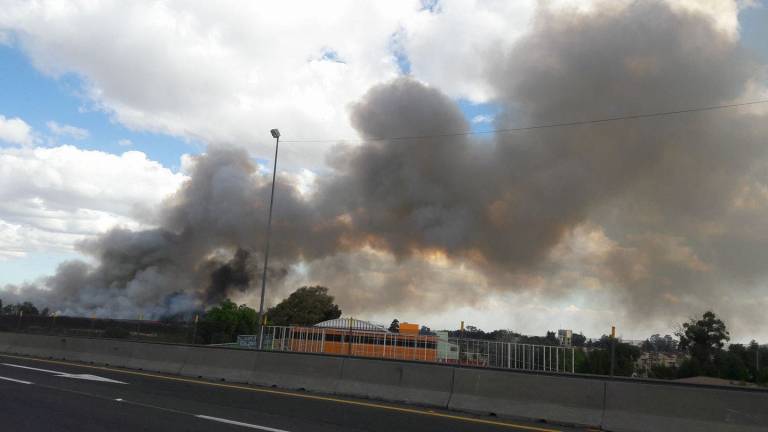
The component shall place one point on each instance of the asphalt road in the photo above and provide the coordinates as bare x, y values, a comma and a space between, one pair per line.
44, 395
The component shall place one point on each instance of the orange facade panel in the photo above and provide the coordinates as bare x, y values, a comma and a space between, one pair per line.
365, 344
408, 328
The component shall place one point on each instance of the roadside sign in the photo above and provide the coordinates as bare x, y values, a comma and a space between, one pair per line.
248, 341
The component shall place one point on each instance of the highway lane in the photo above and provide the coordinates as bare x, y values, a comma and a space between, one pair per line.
43, 395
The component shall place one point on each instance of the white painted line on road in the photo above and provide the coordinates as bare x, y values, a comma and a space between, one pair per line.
31, 368
15, 380
237, 423
87, 377
119, 400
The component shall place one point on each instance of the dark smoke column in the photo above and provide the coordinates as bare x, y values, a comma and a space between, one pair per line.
276, 135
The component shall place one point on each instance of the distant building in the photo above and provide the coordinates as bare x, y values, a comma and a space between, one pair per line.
447, 352
565, 337
651, 359
409, 328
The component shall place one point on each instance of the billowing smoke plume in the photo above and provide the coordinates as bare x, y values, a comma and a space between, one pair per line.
672, 209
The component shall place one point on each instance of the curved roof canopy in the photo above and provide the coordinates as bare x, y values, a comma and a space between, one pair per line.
353, 324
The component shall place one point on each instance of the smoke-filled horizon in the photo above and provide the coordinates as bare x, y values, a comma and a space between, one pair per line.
655, 217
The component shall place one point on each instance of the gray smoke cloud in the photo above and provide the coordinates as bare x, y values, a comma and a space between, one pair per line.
680, 200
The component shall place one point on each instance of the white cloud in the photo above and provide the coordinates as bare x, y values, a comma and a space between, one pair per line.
482, 119
224, 72
67, 130
15, 131
445, 48
125, 142
228, 72
52, 197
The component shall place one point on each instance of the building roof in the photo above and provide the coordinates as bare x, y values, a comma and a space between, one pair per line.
353, 324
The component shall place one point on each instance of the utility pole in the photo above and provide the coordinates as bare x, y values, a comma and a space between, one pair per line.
613, 348
194, 329
276, 135
757, 362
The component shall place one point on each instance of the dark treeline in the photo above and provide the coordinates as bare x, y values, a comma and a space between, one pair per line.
219, 324
25, 308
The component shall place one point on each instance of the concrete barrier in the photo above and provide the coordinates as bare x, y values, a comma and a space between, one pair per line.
565, 399
8, 342
638, 406
164, 358
105, 352
54, 347
219, 364
397, 381
297, 371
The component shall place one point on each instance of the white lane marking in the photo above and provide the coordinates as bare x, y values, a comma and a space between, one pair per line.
119, 400
14, 380
31, 368
87, 377
237, 423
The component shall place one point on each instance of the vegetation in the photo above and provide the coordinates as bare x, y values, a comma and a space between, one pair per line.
305, 306
26, 308
395, 326
598, 359
703, 340
578, 340
222, 323
657, 343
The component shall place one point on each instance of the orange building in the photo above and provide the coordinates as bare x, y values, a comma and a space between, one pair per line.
409, 328
346, 336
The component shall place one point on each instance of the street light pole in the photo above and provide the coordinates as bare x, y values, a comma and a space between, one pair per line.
276, 135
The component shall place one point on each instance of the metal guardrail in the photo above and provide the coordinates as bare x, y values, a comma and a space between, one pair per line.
439, 348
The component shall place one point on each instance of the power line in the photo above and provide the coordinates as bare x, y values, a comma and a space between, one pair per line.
541, 126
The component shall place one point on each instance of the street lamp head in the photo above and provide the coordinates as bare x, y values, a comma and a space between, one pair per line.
275, 133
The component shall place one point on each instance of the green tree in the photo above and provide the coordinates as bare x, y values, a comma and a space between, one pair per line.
578, 339
395, 326
702, 339
656, 343
224, 322
598, 358
305, 306
730, 365
28, 308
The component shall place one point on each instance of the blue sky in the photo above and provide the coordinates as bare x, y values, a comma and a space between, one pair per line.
38, 98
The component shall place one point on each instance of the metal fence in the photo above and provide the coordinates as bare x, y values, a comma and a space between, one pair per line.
439, 348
